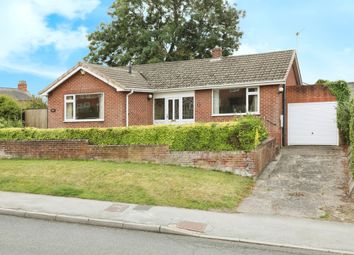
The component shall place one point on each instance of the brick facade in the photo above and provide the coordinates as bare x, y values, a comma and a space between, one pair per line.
270, 109
140, 107
305, 94
241, 163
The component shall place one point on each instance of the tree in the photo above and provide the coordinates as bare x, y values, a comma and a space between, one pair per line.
10, 112
150, 31
35, 103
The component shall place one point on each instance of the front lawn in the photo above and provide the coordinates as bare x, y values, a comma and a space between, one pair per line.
150, 184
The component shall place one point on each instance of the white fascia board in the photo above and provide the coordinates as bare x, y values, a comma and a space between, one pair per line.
74, 71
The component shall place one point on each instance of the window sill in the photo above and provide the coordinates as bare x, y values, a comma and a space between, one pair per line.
95, 120
234, 114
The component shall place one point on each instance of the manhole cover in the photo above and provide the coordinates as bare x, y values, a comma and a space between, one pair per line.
116, 208
192, 226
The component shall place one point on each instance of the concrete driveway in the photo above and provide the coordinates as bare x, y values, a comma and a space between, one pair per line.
305, 181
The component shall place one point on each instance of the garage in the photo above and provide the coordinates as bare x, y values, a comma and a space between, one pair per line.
312, 124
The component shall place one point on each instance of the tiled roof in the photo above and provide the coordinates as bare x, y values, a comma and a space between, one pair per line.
120, 76
228, 70
260, 68
16, 94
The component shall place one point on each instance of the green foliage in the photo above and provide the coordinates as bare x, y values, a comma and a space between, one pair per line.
343, 119
341, 91
243, 134
4, 123
249, 133
164, 30
10, 112
35, 103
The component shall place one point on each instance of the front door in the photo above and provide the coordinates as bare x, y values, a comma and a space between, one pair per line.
174, 108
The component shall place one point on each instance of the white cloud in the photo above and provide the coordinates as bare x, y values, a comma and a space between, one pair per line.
24, 29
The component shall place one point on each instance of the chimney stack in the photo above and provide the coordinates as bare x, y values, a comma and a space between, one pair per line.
216, 52
22, 85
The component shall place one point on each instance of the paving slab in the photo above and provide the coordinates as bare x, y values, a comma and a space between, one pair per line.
269, 229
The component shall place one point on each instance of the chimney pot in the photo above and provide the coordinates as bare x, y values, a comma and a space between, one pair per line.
130, 67
22, 85
216, 52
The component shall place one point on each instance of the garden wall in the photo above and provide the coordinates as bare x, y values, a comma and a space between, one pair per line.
237, 162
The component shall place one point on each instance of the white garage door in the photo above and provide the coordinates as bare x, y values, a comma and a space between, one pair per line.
312, 124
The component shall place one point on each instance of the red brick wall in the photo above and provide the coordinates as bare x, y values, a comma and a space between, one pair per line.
140, 112
292, 79
140, 109
313, 93
237, 162
270, 109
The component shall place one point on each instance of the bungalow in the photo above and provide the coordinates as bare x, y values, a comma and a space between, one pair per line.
200, 90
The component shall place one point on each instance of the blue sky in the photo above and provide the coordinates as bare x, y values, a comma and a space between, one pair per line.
46, 37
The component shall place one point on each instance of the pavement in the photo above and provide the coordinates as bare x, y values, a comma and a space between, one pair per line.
20, 236
306, 181
269, 230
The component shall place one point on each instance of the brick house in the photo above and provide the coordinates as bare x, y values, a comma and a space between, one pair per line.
20, 93
201, 90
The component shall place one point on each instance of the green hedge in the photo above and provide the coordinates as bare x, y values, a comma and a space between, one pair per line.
244, 134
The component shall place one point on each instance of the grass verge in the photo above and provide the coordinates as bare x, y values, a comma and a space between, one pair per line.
150, 184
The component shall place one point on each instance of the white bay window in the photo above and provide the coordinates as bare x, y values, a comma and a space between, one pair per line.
236, 101
83, 107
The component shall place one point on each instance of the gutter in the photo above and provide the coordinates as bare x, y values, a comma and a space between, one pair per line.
127, 108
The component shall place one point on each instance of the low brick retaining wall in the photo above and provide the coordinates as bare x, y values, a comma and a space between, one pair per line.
237, 162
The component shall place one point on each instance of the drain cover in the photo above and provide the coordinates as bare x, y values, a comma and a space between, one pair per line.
116, 208
192, 226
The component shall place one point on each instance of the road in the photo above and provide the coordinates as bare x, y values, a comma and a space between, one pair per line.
29, 236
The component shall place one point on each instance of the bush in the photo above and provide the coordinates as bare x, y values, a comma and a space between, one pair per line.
244, 134
343, 119
4, 123
9, 109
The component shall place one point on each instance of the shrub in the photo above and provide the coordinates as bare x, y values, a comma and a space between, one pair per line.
4, 123
343, 119
249, 133
244, 134
9, 109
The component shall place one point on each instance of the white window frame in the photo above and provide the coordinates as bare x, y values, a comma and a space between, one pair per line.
73, 101
173, 96
248, 93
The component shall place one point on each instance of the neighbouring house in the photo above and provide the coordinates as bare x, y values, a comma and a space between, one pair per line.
20, 93
200, 90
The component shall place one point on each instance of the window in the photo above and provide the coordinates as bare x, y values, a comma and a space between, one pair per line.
188, 108
236, 101
84, 107
159, 109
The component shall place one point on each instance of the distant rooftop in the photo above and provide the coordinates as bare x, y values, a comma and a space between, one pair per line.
20, 93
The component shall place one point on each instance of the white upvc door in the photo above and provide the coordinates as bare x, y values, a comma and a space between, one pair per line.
173, 109
178, 108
